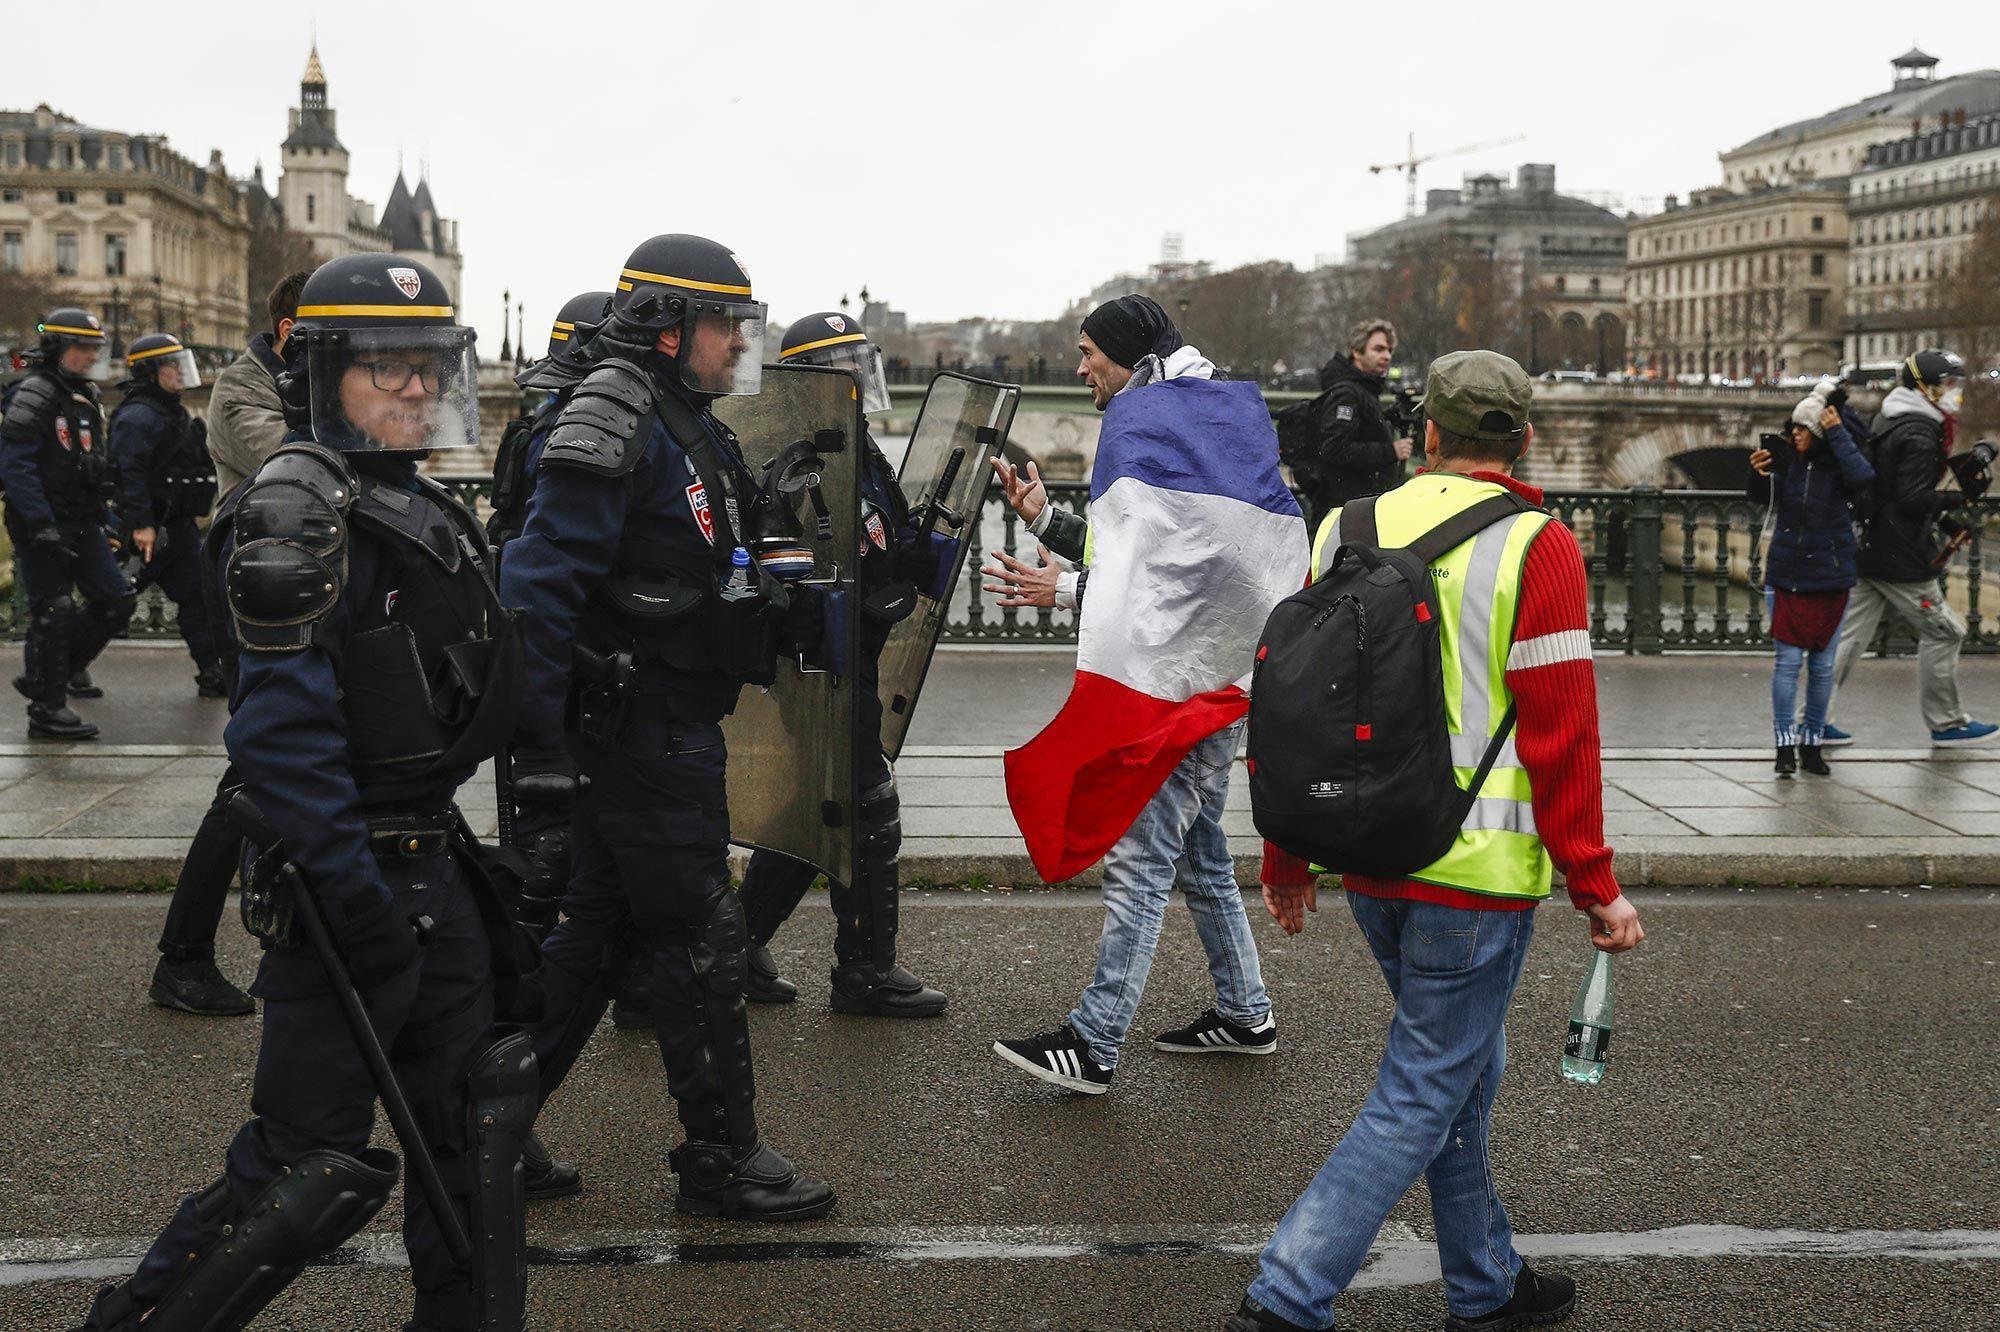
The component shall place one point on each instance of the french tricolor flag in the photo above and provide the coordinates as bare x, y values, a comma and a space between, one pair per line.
1195, 539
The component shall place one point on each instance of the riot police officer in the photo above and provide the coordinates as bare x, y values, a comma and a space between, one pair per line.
627, 571
53, 462
520, 450
165, 483
867, 979
376, 671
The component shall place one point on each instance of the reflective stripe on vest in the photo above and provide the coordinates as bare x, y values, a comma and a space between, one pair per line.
1478, 586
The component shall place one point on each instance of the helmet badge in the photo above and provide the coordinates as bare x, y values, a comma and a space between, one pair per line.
406, 281
836, 323
739, 267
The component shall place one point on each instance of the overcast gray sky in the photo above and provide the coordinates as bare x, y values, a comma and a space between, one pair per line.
961, 159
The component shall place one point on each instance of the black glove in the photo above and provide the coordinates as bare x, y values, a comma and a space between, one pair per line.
379, 942
49, 540
545, 776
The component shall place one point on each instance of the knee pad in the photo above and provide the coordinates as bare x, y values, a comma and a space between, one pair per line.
881, 816
719, 943
322, 1199
54, 611
502, 1093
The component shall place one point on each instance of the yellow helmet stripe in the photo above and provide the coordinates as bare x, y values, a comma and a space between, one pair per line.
564, 326
557, 335
73, 332
156, 351
389, 311
804, 347
723, 288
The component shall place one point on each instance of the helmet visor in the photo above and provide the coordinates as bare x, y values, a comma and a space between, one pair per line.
402, 390
861, 359
722, 348
173, 368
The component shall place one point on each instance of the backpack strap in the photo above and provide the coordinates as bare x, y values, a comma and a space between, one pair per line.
1357, 522
1462, 527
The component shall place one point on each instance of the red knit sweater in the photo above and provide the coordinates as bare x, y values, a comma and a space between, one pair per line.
1550, 674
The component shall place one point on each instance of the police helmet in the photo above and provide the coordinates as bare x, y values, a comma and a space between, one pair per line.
154, 353
71, 327
378, 359
566, 362
831, 338
698, 286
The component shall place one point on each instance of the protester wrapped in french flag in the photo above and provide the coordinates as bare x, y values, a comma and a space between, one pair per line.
1194, 539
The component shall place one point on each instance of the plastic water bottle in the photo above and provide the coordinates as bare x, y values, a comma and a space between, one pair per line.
1588, 1048
739, 584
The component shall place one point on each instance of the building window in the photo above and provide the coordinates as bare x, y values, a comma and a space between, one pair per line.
114, 197
65, 196
114, 255
1815, 310
13, 152
1819, 224
1818, 265
1562, 284
68, 155
117, 157
10, 252
311, 208
66, 253
1596, 286
10, 196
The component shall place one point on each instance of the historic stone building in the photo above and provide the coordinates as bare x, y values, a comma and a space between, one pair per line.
1912, 210
312, 190
1837, 143
1570, 254
1746, 286
124, 225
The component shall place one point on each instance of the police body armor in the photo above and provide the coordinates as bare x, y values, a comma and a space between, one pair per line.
67, 417
181, 481
428, 694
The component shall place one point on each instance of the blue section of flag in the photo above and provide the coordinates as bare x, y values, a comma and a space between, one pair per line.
1204, 436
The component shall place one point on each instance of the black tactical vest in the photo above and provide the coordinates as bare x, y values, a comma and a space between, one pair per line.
181, 481
74, 460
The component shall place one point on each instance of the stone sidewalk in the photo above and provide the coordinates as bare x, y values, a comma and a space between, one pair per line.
120, 815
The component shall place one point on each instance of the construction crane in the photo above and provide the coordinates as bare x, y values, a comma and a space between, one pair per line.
1408, 166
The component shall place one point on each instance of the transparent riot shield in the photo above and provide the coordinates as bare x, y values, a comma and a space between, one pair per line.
791, 744
960, 429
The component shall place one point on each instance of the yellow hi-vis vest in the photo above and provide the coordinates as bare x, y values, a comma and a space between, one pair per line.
1478, 582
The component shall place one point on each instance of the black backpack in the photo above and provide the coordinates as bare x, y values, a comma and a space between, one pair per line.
1349, 753
1298, 440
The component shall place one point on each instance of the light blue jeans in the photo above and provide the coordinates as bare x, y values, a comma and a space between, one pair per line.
1177, 840
1453, 974
1810, 729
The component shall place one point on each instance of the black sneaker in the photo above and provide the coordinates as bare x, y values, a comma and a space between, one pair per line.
208, 683
1251, 1316
1538, 1301
542, 1176
82, 686
193, 985
1058, 1056
1212, 1033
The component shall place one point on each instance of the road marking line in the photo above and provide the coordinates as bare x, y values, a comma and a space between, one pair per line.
1401, 1257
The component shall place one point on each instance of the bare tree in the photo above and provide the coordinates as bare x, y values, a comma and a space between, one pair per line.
1969, 320
24, 299
275, 251
1444, 294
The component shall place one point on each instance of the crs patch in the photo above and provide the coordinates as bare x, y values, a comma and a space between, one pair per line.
877, 531
62, 431
406, 281
1344, 412
703, 518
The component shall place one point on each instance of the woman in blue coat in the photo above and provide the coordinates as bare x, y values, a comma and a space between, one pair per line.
1814, 479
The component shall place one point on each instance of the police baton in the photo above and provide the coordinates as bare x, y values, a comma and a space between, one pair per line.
249, 820
937, 507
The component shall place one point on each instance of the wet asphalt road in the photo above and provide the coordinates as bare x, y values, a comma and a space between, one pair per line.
1807, 1061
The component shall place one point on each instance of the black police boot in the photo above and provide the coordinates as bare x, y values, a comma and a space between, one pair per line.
1811, 760
1253, 1317
24, 685
632, 1008
82, 686
1788, 761
745, 1184
762, 983
193, 985
1538, 1301
545, 1177
866, 990
208, 683
56, 722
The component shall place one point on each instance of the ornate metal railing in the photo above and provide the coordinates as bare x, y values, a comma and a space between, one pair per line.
1667, 571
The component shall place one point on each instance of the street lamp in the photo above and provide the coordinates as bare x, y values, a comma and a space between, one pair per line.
506, 326
159, 309
1704, 353
117, 322
520, 333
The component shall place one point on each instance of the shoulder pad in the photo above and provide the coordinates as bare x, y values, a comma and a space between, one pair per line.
33, 402
290, 560
602, 426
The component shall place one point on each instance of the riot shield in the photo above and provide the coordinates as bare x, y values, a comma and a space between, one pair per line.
960, 429
791, 744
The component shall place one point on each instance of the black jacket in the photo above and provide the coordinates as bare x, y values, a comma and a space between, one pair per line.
1902, 540
1812, 545
1356, 448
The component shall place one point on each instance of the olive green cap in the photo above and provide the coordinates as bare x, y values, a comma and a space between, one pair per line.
1479, 395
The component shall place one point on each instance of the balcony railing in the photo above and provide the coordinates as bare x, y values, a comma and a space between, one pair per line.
1667, 571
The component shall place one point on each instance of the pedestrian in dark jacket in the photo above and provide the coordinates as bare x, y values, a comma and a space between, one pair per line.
1812, 480
1357, 453
1901, 556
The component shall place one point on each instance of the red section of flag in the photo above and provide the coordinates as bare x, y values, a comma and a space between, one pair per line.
1076, 788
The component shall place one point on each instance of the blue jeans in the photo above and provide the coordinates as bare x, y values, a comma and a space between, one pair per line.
1453, 974
1176, 840
1810, 729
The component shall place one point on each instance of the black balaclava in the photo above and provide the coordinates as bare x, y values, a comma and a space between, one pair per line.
1131, 328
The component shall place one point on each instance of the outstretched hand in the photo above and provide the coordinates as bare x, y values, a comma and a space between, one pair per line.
1023, 584
1024, 495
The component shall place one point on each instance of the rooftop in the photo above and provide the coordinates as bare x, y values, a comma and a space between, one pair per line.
1914, 97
